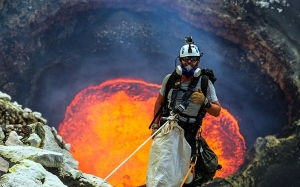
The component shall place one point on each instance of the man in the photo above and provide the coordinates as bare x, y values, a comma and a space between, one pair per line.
189, 57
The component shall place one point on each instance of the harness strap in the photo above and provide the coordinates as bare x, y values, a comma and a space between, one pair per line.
193, 163
175, 80
204, 84
187, 119
190, 89
187, 94
202, 112
175, 91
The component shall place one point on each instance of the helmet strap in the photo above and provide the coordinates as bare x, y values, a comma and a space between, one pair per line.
190, 49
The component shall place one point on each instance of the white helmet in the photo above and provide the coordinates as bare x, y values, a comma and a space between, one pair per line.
189, 50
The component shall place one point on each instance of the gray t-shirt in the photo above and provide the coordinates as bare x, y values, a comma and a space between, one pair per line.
192, 109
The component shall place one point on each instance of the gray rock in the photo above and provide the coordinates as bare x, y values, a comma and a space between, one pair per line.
29, 173
5, 96
50, 144
34, 140
44, 157
13, 139
2, 136
3, 165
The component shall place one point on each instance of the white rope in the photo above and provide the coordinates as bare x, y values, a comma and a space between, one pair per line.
104, 180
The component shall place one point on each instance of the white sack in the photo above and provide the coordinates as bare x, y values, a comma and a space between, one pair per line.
169, 157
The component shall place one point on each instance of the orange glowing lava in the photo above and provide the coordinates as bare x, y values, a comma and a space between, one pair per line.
107, 123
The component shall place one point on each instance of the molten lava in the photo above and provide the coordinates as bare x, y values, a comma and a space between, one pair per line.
106, 123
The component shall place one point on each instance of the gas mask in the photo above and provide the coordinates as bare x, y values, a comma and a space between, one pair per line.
188, 71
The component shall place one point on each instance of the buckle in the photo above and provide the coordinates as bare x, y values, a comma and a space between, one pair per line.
155, 126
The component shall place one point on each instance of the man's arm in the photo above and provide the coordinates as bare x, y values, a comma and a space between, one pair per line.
158, 104
215, 109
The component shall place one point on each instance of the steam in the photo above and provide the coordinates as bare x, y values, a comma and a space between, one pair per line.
108, 44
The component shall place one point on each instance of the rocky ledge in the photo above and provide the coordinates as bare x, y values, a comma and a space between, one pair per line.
33, 154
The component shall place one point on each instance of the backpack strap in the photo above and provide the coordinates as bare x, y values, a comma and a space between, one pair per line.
172, 81
187, 94
202, 112
190, 89
176, 87
204, 84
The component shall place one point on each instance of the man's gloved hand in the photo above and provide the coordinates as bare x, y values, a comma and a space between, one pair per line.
154, 128
199, 99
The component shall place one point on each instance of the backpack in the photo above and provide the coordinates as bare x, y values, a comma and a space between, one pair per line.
174, 82
207, 162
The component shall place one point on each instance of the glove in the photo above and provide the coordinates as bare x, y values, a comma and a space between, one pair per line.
154, 128
199, 99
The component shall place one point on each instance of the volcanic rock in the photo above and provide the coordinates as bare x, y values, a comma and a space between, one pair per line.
33, 158
266, 31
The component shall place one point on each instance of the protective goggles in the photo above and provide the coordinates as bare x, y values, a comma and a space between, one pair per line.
191, 58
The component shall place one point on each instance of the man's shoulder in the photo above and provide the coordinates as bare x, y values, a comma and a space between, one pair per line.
169, 75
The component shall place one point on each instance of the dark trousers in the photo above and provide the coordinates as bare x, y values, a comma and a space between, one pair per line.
190, 132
